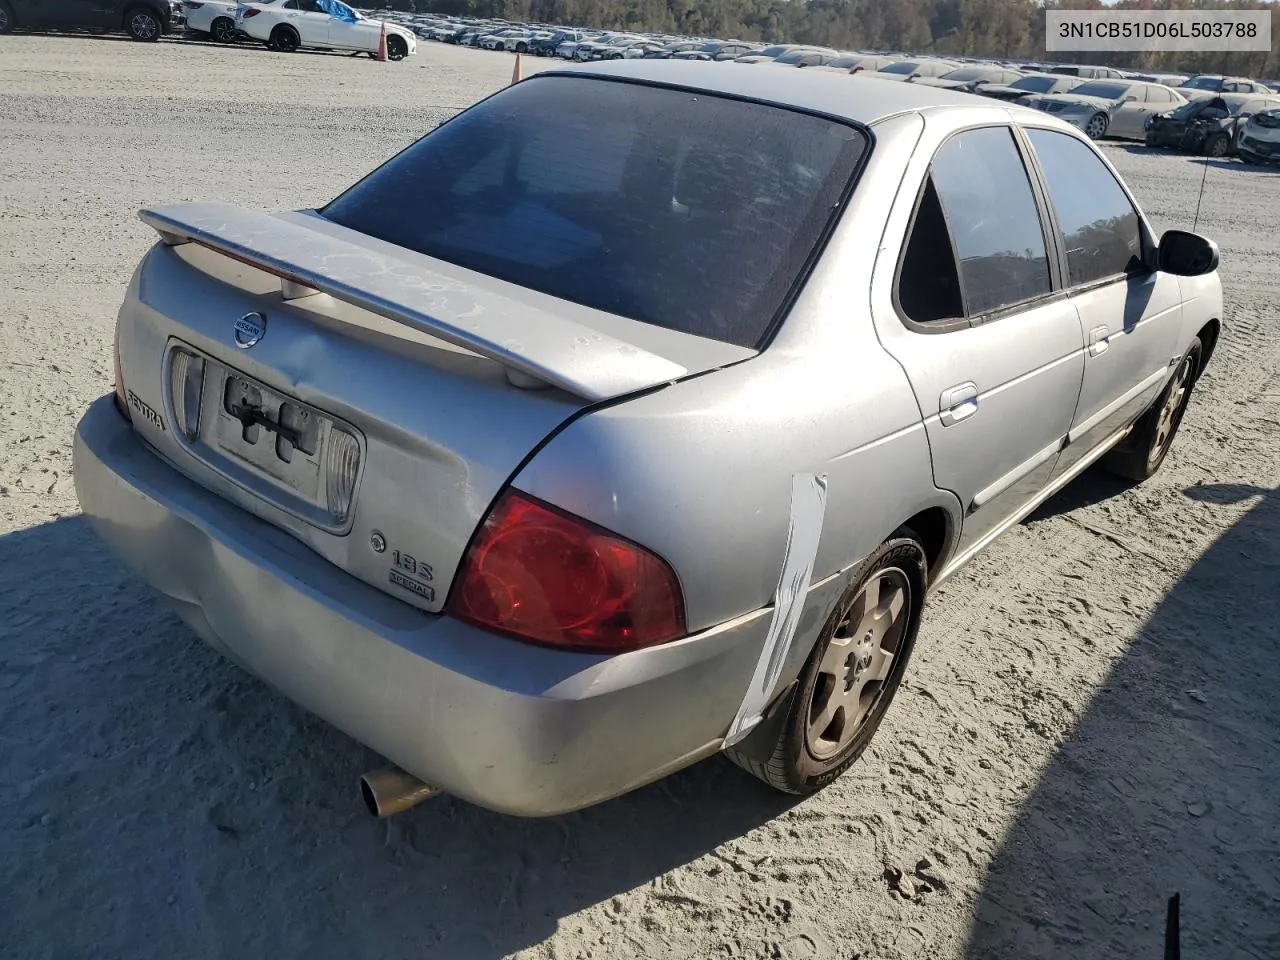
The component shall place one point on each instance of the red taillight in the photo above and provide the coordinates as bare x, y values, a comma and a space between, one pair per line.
122, 401
556, 579
251, 12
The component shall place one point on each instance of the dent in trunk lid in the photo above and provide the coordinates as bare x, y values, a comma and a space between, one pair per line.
443, 428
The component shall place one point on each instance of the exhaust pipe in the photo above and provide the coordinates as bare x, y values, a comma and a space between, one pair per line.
391, 790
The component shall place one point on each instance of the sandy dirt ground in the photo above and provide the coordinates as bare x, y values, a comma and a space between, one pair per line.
1090, 724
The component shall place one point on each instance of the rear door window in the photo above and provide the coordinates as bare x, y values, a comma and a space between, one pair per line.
685, 210
986, 208
1100, 229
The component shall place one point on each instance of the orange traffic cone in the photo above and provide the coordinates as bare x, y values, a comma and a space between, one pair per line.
515, 71
382, 44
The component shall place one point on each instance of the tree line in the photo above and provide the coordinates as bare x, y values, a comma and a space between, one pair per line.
1008, 29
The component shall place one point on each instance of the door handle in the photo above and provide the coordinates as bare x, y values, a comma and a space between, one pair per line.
1099, 340
958, 403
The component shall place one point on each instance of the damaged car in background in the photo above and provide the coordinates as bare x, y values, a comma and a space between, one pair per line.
1260, 138
1211, 126
631, 415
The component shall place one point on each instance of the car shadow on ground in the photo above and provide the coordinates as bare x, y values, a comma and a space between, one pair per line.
1170, 776
1093, 486
186, 809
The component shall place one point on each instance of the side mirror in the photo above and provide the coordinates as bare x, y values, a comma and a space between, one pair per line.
1186, 254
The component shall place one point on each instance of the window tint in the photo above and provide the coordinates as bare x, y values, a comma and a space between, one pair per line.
1107, 89
1035, 84
928, 287
995, 226
690, 212
1100, 228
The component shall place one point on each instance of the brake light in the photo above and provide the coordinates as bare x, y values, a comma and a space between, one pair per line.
122, 400
251, 12
552, 578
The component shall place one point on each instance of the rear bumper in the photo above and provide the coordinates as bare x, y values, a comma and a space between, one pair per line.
509, 726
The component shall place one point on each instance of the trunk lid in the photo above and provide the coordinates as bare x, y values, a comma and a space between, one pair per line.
375, 421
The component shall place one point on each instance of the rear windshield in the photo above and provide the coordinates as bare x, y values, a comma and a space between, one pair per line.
688, 211
1109, 91
1035, 84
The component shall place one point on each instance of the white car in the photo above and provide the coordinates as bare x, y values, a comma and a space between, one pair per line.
214, 17
287, 25
513, 41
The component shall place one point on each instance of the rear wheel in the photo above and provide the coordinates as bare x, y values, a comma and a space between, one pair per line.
397, 49
852, 674
1218, 146
1096, 128
142, 23
522, 47
1140, 456
223, 29
6, 18
284, 39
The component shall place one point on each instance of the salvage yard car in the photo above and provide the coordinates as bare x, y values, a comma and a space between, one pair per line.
217, 18
1109, 108
1260, 138
631, 415
289, 25
146, 20
1210, 125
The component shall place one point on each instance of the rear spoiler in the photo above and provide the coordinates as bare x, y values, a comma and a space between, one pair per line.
318, 258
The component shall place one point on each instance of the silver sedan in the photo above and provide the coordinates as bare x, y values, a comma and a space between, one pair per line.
632, 415
1110, 108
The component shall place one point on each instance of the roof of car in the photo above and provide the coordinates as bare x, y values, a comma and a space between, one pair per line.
839, 95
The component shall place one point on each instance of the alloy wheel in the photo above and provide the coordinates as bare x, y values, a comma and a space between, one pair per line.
143, 26
1171, 409
1096, 127
857, 662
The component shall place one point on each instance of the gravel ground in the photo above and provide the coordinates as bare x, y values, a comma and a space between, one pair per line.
1090, 723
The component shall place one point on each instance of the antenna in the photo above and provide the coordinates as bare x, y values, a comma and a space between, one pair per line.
1203, 177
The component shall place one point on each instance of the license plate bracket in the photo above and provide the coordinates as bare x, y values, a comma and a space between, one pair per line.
273, 433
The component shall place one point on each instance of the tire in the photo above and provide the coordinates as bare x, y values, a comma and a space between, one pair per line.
804, 758
1140, 456
522, 47
1150, 141
141, 23
1219, 145
223, 30
1244, 155
6, 18
285, 40
397, 49
1096, 128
